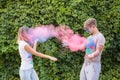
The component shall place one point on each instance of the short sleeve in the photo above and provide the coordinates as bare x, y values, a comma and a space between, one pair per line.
101, 40
22, 44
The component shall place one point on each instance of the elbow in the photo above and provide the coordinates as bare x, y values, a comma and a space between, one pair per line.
97, 53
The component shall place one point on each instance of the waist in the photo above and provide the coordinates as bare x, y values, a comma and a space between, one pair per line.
92, 61
26, 69
26, 65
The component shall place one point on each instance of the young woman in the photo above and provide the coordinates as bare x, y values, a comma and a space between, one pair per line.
26, 50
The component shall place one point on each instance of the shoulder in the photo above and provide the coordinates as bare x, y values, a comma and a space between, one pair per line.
101, 36
101, 39
22, 43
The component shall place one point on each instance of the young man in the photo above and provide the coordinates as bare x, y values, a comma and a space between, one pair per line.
92, 60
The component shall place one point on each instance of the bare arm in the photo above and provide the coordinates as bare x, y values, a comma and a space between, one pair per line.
35, 45
34, 52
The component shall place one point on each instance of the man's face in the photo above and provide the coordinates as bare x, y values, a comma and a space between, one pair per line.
88, 29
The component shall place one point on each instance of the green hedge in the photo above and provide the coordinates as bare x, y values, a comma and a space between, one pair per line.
14, 14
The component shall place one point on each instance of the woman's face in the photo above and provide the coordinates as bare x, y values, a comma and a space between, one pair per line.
23, 34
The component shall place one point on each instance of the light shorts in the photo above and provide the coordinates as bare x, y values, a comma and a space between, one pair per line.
29, 74
90, 71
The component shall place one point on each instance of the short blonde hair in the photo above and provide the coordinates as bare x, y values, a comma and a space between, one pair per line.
90, 22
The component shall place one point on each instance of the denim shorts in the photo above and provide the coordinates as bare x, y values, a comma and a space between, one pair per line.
29, 74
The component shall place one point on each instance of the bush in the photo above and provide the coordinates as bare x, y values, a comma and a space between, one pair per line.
73, 13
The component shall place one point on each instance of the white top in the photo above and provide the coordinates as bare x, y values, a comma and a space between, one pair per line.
26, 57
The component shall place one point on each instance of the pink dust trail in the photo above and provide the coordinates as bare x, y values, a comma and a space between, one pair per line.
63, 33
41, 33
74, 42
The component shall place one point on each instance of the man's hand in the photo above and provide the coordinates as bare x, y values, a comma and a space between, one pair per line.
91, 56
96, 53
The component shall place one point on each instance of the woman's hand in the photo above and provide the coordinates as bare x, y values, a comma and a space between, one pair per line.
53, 58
